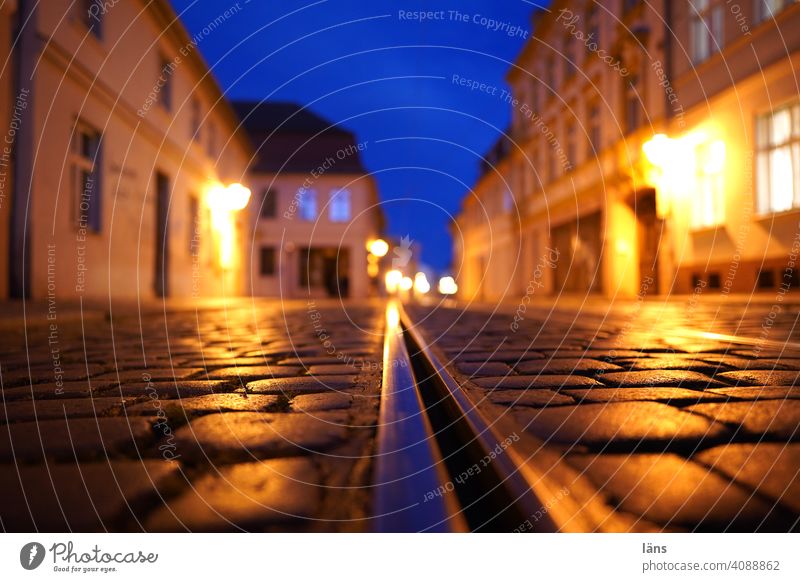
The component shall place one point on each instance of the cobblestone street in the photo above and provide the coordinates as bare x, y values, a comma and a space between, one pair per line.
261, 417
672, 427
253, 417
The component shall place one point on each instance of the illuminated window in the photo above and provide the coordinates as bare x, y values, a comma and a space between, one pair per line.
708, 203
307, 200
778, 160
706, 28
340, 206
769, 8
87, 187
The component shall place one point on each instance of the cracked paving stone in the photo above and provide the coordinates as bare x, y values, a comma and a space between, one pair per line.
669, 490
623, 423
155, 374
320, 402
238, 402
661, 378
81, 437
80, 497
536, 398
540, 381
247, 496
248, 435
567, 366
66, 407
484, 368
301, 384
762, 377
681, 395
760, 392
771, 468
778, 418
250, 373
167, 390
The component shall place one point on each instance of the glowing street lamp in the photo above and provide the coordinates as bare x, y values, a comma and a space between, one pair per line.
223, 202
392, 280
448, 286
378, 248
421, 284
406, 284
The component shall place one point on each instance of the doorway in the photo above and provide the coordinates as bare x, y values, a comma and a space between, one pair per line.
648, 238
325, 271
162, 236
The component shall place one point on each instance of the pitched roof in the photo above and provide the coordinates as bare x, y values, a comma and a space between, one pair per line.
293, 139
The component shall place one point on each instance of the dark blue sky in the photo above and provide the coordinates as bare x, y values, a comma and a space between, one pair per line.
386, 78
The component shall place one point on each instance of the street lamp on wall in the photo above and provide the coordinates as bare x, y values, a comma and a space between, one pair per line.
224, 202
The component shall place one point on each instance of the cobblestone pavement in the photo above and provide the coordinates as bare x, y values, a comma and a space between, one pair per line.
674, 428
252, 417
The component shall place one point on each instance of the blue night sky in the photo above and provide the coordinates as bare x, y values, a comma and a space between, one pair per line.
385, 78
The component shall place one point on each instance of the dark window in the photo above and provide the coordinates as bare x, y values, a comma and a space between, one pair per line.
269, 203
713, 281
631, 4
197, 119
697, 280
766, 279
167, 69
633, 106
91, 14
86, 158
791, 277
266, 263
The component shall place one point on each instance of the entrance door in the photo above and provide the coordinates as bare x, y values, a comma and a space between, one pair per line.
325, 271
162, 236
649, 228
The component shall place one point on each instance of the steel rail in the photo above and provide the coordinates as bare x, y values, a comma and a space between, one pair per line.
410, 478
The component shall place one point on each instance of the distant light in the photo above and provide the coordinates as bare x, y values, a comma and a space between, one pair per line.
448, 286
393, 279
406, 284
716, 157
378, 247
373, 270
421, 284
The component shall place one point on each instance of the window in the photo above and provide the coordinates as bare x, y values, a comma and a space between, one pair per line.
194, 226
91, 14
86, 157
550, 75
594, 129
340, 206
706, 28
197, 119
269, 203
633, 105
708, 203
508, 201
593, 19
570, 59
630, 4
307, 200
769, 8
266, 261
167, 69
572, 154
778, 160
211, 144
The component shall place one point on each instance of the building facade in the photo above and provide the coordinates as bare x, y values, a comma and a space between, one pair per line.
315, 208
639, 158
124, 144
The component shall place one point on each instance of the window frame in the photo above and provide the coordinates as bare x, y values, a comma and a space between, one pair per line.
267, 268
703, 23
764, 151
333, 205
307, 204
83, 165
